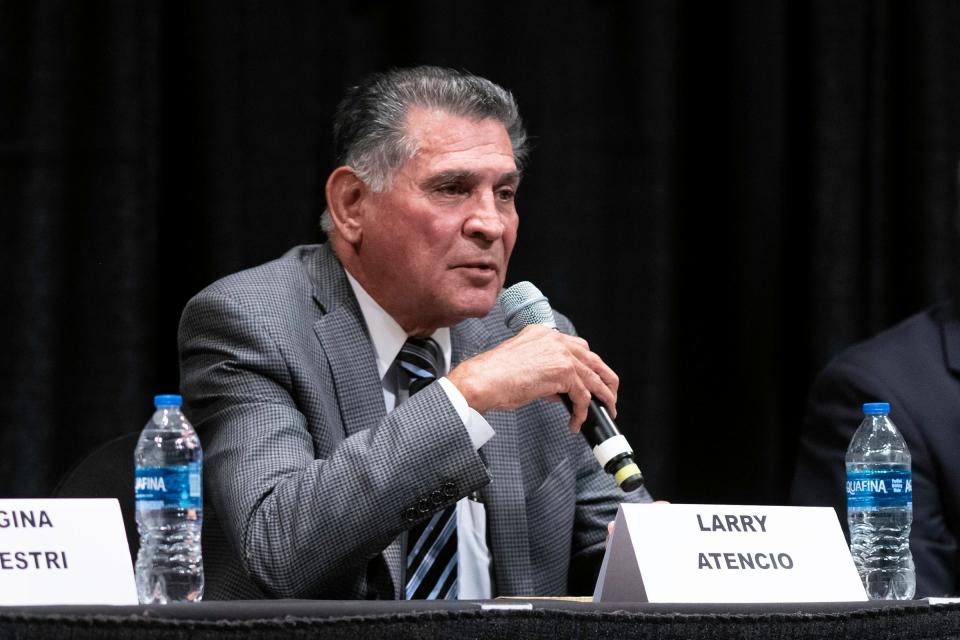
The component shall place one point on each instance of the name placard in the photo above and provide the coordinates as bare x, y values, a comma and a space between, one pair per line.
67, 551
727, 553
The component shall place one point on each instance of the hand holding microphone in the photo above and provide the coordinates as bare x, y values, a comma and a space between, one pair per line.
537, 363
540, 362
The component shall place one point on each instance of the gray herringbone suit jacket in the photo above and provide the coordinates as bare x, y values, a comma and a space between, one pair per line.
309, 482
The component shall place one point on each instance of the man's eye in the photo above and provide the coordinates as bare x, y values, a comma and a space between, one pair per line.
452, 189
506, 194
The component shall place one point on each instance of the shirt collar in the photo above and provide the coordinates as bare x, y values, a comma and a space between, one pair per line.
386, 334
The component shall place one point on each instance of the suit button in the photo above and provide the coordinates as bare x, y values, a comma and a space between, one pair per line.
436, 497
449, 489
410, 515
423, 505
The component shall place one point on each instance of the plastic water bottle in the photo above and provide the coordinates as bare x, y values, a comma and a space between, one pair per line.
169, 507
880, 506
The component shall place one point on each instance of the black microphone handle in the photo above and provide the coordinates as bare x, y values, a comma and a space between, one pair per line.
597, 428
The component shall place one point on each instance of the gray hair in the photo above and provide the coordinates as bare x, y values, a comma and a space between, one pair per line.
369, 126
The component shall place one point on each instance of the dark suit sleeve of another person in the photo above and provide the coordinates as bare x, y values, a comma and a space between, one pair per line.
906, 367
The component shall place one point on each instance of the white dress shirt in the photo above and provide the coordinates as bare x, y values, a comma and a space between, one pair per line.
388, 337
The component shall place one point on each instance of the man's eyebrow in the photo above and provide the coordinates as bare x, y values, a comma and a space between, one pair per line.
458, 175
453, 175
512, 176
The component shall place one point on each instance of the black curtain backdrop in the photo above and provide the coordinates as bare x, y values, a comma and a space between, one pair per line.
721, 195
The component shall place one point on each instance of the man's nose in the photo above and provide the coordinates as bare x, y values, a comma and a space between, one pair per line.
485, 220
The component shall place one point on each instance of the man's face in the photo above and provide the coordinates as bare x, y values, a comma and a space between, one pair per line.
435, 245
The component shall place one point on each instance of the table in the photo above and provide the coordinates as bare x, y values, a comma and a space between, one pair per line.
520, 618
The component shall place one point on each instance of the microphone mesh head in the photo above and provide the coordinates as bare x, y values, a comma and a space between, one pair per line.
524, 304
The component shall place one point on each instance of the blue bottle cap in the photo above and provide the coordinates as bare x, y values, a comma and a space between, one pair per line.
876, 408
167, 400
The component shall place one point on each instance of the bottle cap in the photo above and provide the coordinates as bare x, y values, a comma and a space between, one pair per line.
167, 400
876, 408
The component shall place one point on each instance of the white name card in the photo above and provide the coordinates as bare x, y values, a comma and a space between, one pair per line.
68, 551
727, 553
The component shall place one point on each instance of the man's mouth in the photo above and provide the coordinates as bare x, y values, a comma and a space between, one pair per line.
479, 273
480, 265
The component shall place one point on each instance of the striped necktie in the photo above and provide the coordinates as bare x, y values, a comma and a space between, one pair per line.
431, 545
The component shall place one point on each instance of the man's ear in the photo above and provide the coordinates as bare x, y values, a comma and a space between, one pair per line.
346, 193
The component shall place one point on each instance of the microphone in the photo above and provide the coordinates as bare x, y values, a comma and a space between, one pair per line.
523, 304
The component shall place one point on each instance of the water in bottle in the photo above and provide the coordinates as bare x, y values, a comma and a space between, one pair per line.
880, 506
169, 507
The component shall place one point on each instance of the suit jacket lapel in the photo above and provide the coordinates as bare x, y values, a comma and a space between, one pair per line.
503, 498
346, 343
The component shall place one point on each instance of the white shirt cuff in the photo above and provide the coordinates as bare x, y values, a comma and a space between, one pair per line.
477, 427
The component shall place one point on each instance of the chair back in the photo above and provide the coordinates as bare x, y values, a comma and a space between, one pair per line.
107, 472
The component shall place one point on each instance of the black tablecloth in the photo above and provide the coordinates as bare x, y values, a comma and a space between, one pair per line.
352, 620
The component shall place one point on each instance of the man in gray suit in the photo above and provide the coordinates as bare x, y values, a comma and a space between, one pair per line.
322, 454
